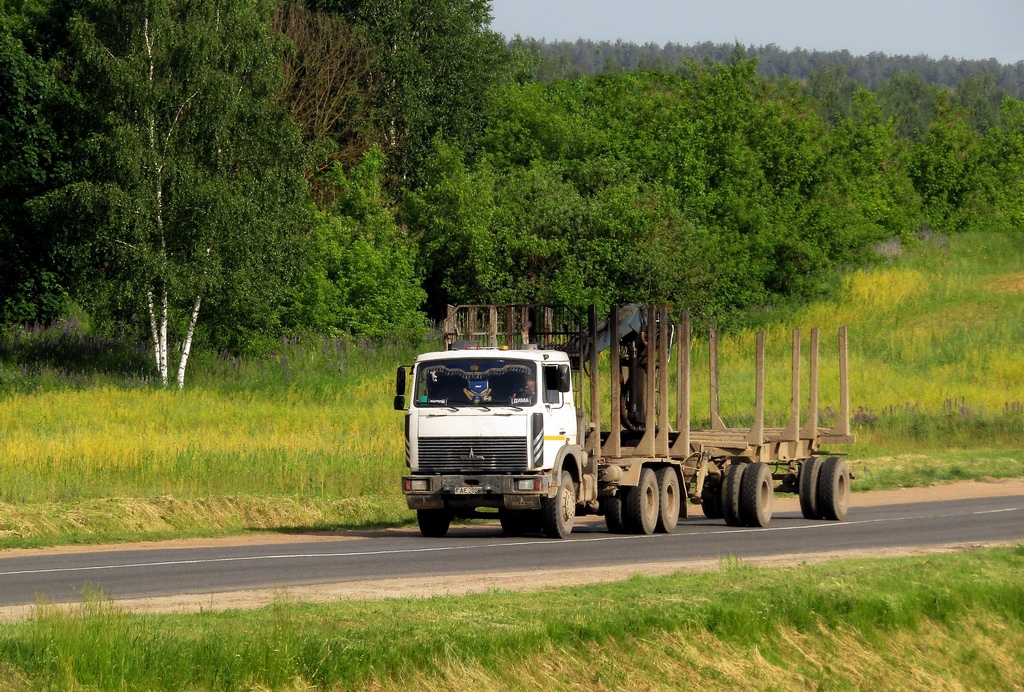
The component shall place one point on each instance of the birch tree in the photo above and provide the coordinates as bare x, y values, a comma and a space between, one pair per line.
196, 167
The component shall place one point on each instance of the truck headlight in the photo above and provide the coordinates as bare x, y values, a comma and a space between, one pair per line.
420, 485
527, 484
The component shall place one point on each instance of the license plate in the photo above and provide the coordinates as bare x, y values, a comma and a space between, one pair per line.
469, 490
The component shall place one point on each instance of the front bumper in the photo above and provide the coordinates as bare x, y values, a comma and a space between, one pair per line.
462, 492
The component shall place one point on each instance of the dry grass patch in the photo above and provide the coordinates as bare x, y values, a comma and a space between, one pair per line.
935, 656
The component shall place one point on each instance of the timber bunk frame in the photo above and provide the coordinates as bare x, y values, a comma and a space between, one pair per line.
661, 440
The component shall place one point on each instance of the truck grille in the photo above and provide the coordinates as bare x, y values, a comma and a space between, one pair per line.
472, 454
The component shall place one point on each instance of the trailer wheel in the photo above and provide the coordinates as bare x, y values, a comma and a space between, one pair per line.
640, 511
613, 514
833, 489
731, 484
668, 499
711, 502
558, 512
810, 471
757, 496
518, 522
433, 523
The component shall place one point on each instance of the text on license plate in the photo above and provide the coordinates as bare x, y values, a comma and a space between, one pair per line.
469, 490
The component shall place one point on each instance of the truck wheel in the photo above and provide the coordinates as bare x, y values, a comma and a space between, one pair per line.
559, 512
731, 493
711, 502
757, 495
433, 523
613, 514
810, 471
518, 522
668, 499
640, 510
833, 489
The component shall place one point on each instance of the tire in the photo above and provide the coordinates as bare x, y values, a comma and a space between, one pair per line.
669, 502
559, 512
834, 489
731, 493
519, 522
810, 471
757, 495
711, 502
613, 514
640, 506
433, 523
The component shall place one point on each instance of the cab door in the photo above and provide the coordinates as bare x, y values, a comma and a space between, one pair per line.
559, 414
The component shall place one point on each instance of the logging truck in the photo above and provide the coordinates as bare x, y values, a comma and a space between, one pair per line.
511, 416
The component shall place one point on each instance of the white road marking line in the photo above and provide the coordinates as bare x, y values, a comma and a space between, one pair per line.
503, 544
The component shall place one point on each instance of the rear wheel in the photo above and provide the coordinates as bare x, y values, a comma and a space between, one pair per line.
669, 502
559, 512
613, 514
757, 496
640, 506
711, 502
833, 489
810, 470
731, 493
433, 523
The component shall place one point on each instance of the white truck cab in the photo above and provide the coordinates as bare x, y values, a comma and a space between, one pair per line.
488, 427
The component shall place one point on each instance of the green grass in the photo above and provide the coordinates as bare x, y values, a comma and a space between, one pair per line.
954, 620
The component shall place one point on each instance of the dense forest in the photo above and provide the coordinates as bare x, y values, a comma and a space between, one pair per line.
224, 172
575, 59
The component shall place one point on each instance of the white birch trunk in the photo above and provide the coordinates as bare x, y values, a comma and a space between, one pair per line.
163, 338
187, 347
154, 332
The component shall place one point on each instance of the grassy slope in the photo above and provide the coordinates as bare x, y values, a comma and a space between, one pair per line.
307, 438
940, 622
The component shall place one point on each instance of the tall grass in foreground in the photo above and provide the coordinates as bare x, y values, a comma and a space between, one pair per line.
943, 621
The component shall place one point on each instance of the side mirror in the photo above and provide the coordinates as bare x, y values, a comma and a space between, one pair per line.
400, 380
400, 402
564, 379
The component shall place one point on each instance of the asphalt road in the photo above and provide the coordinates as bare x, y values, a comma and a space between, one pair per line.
480, 549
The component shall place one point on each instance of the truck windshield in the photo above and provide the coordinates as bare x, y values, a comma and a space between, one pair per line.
476, 382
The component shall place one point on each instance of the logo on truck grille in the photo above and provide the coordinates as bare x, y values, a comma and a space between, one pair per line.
473, 457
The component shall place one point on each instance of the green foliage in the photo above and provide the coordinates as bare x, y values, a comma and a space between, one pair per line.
438, 60
361, 278
717, 190
190, 181
36, 264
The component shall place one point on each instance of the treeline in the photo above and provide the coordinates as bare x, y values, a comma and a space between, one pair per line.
227, 171
584, 57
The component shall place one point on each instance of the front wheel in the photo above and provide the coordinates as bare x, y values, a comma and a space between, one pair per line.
559, 512
519, 522
433, 523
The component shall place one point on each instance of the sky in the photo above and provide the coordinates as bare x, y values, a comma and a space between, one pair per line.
971, 29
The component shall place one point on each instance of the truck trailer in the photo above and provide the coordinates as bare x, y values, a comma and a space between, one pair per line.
510, 417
